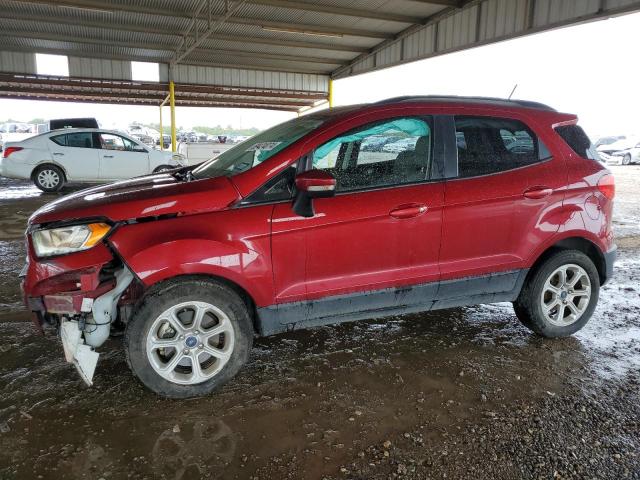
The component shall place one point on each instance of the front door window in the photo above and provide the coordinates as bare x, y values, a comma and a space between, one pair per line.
382, 154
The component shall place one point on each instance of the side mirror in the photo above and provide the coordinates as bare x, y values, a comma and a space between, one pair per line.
312, 184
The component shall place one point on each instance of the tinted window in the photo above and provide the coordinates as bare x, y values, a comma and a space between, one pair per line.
277, 189
577, 139
393, 152
490, 145
59, 140
82, 140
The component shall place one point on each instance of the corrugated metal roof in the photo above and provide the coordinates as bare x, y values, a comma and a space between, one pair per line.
314, 39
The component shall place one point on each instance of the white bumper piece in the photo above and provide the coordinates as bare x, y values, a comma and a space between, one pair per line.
79, 345
82, 356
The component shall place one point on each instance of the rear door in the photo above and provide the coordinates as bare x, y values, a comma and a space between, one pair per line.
495, 206
381, 230
77, 154
120, 158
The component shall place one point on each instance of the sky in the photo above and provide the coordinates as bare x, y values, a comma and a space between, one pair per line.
591, 70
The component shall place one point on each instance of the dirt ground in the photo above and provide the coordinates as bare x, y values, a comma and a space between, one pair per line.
461, 393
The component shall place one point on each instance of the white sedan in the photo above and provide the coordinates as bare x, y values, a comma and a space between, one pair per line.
82, 155
624, 152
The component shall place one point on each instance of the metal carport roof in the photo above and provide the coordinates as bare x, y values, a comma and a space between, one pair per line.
252, 53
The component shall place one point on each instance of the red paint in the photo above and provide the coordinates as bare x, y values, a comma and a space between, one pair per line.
357, 241
315, 179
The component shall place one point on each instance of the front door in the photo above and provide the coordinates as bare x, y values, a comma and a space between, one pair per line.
381, 230
120, 158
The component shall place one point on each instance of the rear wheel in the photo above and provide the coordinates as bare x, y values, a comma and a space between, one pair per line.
626, 160
188, 338
48, 178
560, 295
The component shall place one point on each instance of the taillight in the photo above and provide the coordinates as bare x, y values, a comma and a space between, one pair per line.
607, 186
9, 150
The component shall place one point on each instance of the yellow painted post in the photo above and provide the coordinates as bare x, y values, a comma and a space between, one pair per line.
161, 132
330, 93
172, 106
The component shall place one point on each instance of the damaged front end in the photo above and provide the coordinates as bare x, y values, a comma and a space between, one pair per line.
84, 297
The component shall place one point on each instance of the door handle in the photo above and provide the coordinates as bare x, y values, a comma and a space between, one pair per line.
108, 156
536, 193
408, 211
58, 153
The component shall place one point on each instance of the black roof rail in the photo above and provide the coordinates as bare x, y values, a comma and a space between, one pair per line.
455, 98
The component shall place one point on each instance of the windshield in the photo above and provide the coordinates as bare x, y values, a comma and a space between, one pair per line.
257, 149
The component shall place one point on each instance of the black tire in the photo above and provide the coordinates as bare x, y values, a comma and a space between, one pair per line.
163, 168
626, 160
44, 178
528, 306
175, 292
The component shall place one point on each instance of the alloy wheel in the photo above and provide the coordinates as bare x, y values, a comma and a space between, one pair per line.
566, 295
190, 343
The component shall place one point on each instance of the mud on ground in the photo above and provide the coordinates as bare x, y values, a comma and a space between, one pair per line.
461, 393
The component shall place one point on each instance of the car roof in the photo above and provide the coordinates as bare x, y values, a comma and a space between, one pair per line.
488, 101
340, 113
62, 131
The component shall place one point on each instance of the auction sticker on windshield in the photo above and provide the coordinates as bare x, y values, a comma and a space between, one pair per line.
263, 147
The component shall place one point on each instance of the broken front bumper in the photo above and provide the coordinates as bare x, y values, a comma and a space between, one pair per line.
79, 293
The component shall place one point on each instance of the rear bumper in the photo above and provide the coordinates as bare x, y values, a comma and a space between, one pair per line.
609, 261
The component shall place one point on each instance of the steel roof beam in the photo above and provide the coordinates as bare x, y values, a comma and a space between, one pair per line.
7, 35
101, 6
140, 58
147, 96
8, 79
336, 10
133, 101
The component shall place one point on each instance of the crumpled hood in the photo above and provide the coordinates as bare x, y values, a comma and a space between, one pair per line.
140, 197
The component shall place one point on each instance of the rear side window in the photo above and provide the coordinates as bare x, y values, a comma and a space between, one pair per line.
489, 145
59, 140
82, 140
577, 139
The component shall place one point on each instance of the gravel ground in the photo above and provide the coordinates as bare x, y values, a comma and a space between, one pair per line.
461, 393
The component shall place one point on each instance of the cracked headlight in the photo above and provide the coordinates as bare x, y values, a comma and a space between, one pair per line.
58, 241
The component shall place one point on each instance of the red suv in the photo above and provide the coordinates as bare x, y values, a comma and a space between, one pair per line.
407, 205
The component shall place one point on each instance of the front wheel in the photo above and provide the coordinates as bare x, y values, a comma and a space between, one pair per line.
626, 160
560, 296
189, 337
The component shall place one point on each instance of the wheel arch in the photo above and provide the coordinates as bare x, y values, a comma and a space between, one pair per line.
236, 287
44, 163
581, 244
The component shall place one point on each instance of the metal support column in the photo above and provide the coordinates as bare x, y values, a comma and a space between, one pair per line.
172, 106
161, 134
330, 93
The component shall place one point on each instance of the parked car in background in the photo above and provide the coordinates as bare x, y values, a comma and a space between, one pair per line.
16, 131
166, 141
608, 140
377, 143
623, 152
92, 155
58, 123
146, 135
299, 228
400, 145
